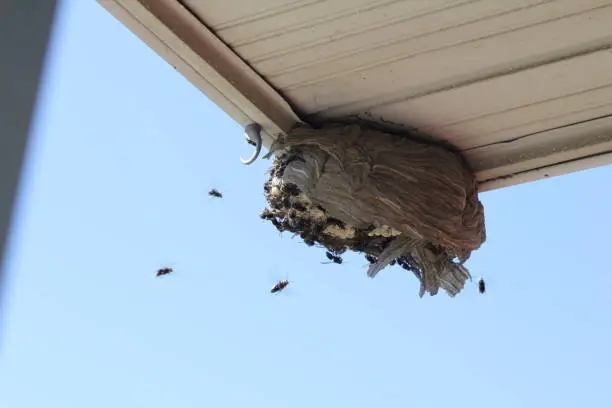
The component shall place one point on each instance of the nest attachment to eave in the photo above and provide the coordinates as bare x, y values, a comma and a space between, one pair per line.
392, 198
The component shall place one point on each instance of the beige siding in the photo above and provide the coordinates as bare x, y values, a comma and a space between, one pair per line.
520, 86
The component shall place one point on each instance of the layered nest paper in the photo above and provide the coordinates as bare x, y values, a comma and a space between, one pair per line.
393, 198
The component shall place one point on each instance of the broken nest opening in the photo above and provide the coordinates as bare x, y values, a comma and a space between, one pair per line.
394, 199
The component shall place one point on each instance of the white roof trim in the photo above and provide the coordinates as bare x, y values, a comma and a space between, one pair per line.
582, 140
182, 40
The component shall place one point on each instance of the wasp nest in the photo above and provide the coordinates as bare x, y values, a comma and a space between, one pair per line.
392, 198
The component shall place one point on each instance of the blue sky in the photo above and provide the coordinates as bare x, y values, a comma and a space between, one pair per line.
123, 154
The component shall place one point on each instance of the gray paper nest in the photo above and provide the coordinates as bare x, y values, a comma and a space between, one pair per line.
395, 199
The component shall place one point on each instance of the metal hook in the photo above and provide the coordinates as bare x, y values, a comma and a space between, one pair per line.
252, 134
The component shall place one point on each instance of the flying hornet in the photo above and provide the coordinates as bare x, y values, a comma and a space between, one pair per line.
163, 271
481, 285
215, 193
279, 286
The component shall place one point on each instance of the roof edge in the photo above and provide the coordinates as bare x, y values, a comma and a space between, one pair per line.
181, 39
552, 170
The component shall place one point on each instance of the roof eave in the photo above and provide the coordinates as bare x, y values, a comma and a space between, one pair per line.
175, 34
